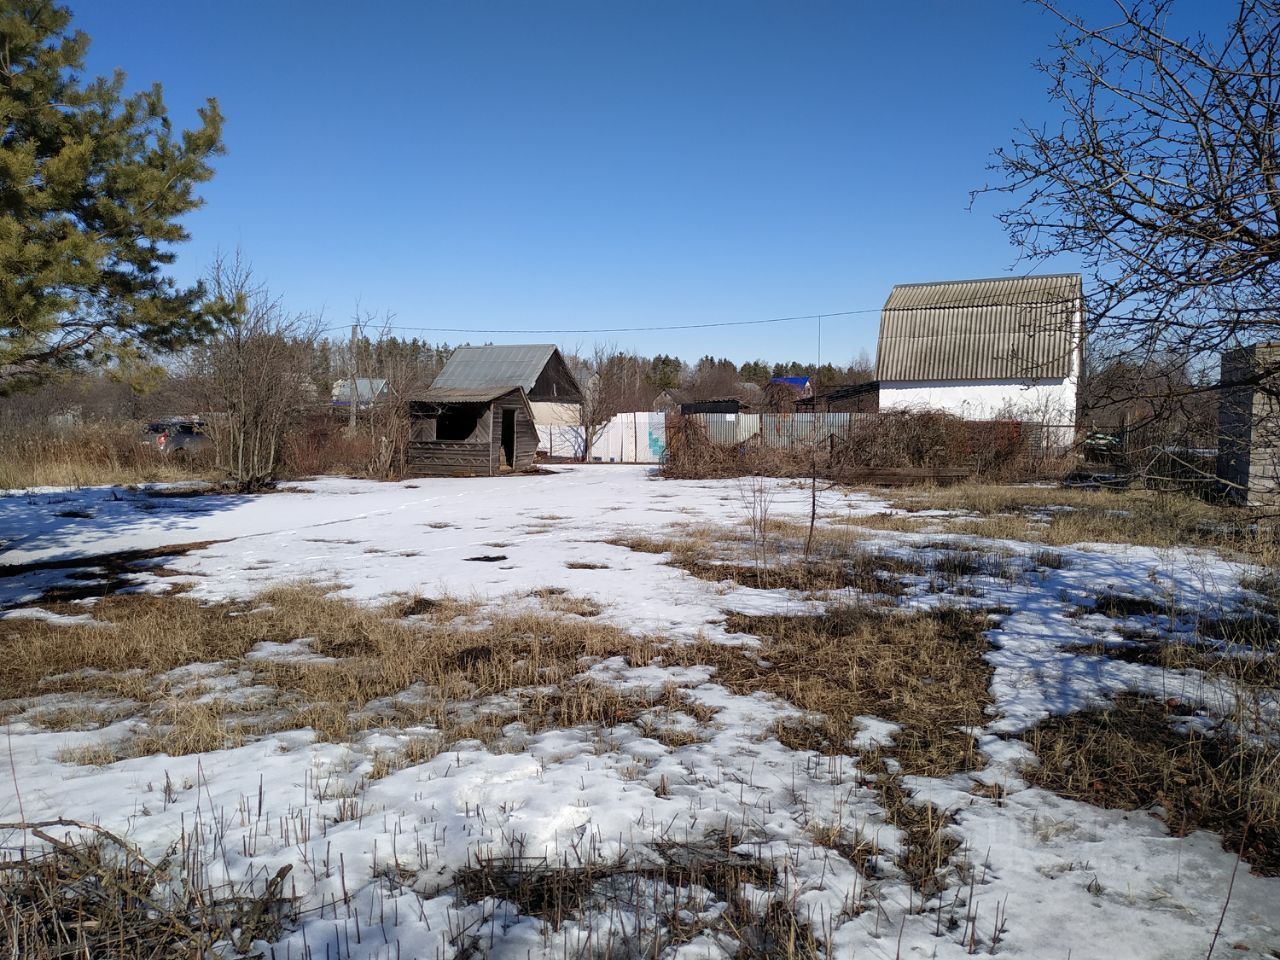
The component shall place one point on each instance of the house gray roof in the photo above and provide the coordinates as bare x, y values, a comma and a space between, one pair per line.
1001, 329
459, 395
500, 368
368, 389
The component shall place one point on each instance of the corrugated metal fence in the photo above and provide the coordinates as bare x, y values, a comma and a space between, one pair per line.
782, 431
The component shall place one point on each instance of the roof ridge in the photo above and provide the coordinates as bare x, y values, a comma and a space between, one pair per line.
1025, 276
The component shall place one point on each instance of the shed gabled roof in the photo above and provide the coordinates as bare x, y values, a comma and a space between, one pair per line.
1001, 329
499, 367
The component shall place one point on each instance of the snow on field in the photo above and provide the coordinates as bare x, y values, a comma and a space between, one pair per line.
374, 860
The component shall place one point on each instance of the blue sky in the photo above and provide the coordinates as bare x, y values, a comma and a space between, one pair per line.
597, 164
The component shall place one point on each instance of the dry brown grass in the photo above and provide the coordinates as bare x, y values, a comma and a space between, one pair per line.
79, 717
924, 671
1128, 755
559, 600
87, 456
895, 522
1060, 516
451, 657
687, 872
838, 560
99, 897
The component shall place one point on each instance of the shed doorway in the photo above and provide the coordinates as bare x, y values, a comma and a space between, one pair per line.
509, 439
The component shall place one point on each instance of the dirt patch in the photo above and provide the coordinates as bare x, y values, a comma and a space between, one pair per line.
1120, 607
1130, 756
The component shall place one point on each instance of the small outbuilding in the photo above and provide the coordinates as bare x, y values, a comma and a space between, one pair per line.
478, 418
1011, 346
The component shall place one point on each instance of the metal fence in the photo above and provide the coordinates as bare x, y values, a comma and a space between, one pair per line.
641, 437
802, 431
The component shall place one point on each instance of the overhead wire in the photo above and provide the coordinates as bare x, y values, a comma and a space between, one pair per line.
645, 329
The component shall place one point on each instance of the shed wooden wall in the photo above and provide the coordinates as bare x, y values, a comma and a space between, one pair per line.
480, 455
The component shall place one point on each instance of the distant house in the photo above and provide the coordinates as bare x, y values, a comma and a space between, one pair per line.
984, 348
847, 398
669, 400
480, 416
745, 398
368, 391
800, 385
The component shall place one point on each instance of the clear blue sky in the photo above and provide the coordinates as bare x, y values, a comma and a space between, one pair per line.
597, 164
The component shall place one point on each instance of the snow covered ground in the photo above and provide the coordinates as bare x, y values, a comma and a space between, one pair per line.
1047, 876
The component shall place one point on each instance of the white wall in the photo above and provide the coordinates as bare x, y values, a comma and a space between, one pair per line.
1041, 400
550, 414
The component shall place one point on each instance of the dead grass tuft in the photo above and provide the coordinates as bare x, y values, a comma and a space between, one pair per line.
924, 671
1061, 516
1130, 756
895, 522
98, 897
692, 878
838, 563
557, 600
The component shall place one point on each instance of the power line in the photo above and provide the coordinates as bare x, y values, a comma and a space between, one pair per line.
678, 326
975, 301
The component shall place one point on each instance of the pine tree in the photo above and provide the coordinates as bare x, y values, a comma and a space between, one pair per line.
92, 186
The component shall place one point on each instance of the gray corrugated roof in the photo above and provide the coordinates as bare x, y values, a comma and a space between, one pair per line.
494, 367
367, 389
999, 329
458, 395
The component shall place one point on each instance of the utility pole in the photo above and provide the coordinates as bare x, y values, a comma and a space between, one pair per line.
351, 380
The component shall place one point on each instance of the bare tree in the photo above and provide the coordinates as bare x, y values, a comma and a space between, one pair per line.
1161, 176
251, 376
406, 374
612, 382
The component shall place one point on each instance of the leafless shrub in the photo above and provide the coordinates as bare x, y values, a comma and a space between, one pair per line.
250, 378
925, 441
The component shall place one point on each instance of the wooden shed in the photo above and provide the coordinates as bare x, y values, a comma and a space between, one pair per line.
480, 417
470, 433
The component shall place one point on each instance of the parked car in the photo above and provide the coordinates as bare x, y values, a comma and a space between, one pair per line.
177, 436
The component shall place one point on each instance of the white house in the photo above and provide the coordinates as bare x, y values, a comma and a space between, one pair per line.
984, 348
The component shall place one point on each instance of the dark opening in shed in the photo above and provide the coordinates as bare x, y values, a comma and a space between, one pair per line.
468, 434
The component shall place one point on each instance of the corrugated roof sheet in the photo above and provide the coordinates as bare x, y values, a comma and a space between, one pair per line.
494, 367
367, 390
478, 395
999, 329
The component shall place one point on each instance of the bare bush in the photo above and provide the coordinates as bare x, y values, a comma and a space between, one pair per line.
926, 441
250, 377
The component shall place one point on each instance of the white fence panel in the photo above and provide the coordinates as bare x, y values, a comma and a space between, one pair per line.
627, 438
632, 438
